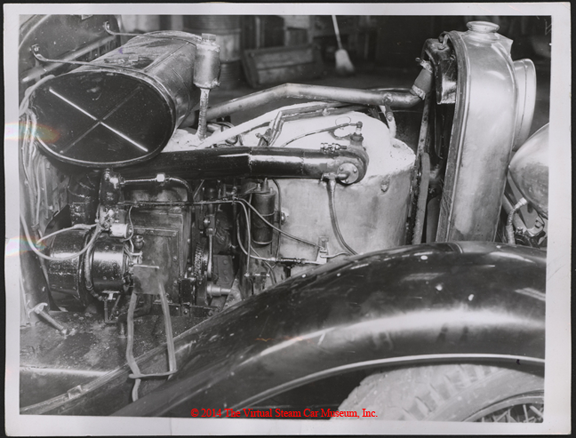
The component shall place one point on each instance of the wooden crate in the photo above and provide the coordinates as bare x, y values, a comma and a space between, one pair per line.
276, 65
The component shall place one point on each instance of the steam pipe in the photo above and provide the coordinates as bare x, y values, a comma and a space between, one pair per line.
253, 161
396, 99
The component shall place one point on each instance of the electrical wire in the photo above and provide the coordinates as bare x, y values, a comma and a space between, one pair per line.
279, 193
247, 217
333, 255
197, 190
131, 225
271, 272
63, 230
271, 259
510, 221
243, 201
57, 259
333, 218
255, 257
330, 128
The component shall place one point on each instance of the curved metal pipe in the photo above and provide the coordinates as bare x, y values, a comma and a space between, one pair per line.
396, 99
251, 161
159, 179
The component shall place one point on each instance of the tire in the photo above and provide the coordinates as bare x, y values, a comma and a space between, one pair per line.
464, 392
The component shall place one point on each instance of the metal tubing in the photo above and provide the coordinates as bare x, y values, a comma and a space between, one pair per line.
204, 97
396, 99
37, 72
158, 181
422, 199
251, 161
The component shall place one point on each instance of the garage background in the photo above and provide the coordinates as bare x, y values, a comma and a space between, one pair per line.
260, 51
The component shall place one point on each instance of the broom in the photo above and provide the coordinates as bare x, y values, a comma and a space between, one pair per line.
344, 66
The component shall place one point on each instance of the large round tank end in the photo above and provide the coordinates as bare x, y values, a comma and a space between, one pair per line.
123, 107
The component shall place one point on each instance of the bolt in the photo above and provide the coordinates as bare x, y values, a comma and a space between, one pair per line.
385, 185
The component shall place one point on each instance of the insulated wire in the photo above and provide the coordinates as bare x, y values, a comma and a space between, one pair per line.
331, 201
131, 225
256, 257
280, 219
197, 190
510, 221
270, 259
249, 238
56, 259
63, 230
274, 227
271, 271
330, 128
38, 199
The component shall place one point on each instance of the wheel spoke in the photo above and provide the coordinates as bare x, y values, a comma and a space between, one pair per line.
536, 411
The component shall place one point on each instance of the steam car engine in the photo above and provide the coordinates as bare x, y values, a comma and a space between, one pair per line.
140, 198
220, 212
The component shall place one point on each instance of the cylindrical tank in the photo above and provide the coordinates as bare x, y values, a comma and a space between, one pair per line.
371, 212
123, 107
264, 202
108, 263
228, 32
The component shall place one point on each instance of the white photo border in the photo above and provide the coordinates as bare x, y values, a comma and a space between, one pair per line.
558, 322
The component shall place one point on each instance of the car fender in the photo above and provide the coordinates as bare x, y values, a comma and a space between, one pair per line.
465, 301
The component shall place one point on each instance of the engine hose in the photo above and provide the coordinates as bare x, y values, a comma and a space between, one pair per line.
169, 334
130, 344
331, 201
136, 374
509, 223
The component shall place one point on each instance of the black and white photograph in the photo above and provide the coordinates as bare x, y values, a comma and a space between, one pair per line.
243, 219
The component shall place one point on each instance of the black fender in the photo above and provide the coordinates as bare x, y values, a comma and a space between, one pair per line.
466, 301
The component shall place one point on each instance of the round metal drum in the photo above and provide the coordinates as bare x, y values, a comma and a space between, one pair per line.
64, 276
108, 265
371, 213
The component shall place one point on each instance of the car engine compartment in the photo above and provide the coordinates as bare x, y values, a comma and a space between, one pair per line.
151, 212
